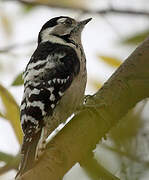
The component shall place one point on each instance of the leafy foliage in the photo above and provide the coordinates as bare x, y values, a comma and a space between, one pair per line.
112, 61
136, 38
11, 111
18, 80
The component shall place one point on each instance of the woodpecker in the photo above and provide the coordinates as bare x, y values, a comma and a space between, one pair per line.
54, 85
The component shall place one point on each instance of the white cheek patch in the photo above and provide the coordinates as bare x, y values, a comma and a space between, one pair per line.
61, 20
47, 36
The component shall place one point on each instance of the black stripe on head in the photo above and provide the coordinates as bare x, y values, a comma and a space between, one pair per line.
51, 23
67, 39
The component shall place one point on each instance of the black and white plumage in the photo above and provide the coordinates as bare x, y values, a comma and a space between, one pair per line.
54, 84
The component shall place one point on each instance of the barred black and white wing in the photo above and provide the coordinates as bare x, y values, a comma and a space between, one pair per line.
48, 75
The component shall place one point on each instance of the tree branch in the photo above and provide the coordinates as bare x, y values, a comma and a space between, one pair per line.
83, 10
95, 170
126, 87
15, 46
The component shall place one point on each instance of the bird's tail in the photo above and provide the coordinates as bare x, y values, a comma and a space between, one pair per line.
28, 153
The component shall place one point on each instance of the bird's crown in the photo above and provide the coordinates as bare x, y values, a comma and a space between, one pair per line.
61, 26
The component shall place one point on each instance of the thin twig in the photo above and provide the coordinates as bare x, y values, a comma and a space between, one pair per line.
109, 10
5, 169
14, 46
126, 154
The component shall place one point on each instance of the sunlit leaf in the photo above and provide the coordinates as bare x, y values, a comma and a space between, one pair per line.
11, 111
18, 80
11, 162
1, 115
112, 61
136, 38
6, 157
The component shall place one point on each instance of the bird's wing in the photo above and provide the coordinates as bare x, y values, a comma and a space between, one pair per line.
48, 75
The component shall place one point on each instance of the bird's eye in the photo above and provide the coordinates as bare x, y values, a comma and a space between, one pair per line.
68, 22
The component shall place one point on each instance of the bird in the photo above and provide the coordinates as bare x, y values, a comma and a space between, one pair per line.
54, 85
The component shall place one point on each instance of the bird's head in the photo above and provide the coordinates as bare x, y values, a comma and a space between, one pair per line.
63, 27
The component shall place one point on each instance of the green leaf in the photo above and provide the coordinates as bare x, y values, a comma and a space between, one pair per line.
18, 80
11, 162
136, 38
112, 61
6, 157
12, 112
1, 115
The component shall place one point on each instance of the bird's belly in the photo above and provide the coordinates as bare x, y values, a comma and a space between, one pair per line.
72, 98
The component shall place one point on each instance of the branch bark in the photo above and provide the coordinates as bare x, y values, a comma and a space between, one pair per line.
126, 87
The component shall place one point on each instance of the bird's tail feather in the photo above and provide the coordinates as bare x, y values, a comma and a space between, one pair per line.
28, 152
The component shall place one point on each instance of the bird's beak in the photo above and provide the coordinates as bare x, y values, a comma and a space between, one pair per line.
80, 25
84, 22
